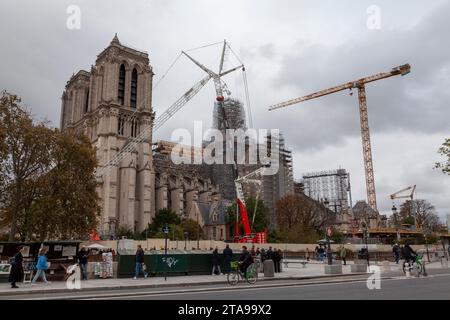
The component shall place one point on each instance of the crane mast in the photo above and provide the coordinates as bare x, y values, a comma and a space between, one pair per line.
364, 118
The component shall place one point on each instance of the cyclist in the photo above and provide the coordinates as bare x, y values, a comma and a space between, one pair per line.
409, 254
245, 260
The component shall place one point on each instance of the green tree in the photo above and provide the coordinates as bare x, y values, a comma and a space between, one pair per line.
48, 186
25, 156
162, 217
193, 229
444, 151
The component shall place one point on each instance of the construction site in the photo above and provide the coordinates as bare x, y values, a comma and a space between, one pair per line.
137, 177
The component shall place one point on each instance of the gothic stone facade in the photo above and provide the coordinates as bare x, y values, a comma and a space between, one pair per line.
112, 104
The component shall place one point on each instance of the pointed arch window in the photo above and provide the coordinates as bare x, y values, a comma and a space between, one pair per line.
134, 128
121, 125
86, 103
121, 90
133, 97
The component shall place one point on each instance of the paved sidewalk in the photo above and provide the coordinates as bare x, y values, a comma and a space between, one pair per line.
297, 272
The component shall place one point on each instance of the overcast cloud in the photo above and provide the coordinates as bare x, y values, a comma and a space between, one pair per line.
290, 48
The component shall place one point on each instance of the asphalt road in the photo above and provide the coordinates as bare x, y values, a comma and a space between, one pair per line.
436, 286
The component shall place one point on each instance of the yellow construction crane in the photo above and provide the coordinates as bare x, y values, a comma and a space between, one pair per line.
361, 86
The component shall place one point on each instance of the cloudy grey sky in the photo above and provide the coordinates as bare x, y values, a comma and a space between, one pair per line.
290, 48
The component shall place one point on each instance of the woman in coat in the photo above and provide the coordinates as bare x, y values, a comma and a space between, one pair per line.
41, 266
16, 273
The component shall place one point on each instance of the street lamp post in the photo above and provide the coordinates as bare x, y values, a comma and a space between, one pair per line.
166, 231
328, 237
366, 236
394, 213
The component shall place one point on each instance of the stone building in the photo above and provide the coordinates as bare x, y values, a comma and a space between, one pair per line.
112, 104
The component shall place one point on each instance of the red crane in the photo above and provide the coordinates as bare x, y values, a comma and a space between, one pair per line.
249, 235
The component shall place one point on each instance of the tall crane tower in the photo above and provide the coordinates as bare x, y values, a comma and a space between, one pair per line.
364, 118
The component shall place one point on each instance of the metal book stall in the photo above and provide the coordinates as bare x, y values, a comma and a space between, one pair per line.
60, 255
100, 261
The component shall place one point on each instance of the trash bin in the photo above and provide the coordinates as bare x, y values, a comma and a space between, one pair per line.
269, 268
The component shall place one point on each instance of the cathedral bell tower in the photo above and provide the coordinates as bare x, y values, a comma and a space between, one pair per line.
112, 104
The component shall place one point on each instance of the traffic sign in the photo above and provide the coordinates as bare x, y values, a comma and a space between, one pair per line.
329, 232
166, 229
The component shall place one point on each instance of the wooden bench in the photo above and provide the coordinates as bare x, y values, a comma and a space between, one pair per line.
302, 262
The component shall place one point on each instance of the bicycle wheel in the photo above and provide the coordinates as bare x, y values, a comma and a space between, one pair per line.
252, 273
233, 278
419, 268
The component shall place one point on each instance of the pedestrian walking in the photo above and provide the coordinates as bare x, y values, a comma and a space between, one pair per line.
321, 253
263, 255
216, 262
140, 264
41, 266
16, 272
307, 254
343, 254
83, 255
227, 258
279, 259
396, 251
276, 260
316, 253
269, 254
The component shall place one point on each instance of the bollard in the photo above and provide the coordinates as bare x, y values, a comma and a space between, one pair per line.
407, 270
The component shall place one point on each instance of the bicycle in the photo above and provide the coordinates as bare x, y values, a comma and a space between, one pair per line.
417, 263
235, 274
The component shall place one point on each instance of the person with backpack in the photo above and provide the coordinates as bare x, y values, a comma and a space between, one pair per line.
41, 266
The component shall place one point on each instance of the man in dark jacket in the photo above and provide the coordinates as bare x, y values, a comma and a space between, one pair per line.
227, 258
269, 254
139, 263
82, 261
16, 273
276, 257
245, 260
409, 254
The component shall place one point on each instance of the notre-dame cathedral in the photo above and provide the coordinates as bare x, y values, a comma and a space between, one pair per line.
112, 104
